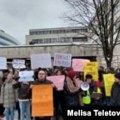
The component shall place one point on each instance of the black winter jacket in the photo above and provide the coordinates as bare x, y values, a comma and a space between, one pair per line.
115, 95
24, 90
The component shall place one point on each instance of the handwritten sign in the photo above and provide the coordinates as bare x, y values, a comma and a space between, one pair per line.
58, 81
26, 76
91, 68
17, 63
78, 64
41, 60
108, 82
63, 60
42, 100
3, 63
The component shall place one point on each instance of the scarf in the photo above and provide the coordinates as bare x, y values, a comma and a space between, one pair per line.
72, 85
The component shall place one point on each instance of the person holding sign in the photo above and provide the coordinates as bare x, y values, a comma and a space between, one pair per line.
115, 92
41, 80
59, 97
24, 99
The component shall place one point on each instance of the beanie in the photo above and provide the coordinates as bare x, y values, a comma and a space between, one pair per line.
71, 74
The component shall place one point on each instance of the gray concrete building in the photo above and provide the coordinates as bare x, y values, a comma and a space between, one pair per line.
57, 35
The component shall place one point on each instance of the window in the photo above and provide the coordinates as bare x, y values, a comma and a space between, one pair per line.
80, 39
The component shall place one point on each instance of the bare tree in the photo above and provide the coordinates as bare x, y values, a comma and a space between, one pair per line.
102, 21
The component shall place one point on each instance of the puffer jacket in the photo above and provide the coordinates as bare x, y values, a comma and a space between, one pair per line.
8, 94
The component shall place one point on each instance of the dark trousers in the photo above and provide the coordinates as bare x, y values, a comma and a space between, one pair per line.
45, 118
1, 110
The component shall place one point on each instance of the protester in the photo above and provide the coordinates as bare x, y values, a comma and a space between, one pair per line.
1, 105
59, 98
16, 77
8, 97
41, 80
71, 90
24, 99
115, 92
86, 95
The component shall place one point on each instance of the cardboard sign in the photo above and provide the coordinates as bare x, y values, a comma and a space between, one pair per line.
26, 76
108, 83
63, 60
78, 64
17, 63
41, 60
3, 63
58, 81
91, 68
42, 100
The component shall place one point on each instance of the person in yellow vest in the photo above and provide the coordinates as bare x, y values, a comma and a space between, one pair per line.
87, 92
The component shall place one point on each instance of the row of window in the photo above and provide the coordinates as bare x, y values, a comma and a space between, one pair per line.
58, 40
57, 31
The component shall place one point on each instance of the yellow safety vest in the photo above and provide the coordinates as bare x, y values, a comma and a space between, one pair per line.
86, 99
98, 90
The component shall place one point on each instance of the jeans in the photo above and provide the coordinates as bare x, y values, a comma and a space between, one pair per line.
9, 113
24, 110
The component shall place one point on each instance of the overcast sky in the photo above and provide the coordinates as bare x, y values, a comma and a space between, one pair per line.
18, 16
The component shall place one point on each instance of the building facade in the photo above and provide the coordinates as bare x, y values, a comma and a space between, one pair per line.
57, 36
6, 40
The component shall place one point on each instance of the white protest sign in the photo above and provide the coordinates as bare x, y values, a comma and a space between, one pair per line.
63, 60
3, 63
58, 81
26, 76
17, 63
41, 60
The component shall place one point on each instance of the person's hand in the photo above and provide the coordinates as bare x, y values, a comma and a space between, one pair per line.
31, 86
53, 85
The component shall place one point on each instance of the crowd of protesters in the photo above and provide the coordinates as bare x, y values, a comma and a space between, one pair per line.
15, 95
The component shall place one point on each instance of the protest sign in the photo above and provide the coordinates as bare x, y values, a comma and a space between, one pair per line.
3, 63
108, 82
63, 60
58, 81
78, 64
42, 100
17, 63
26, 76
91, 68
41, 60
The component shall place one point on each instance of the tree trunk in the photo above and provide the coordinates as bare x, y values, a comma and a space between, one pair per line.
108, 63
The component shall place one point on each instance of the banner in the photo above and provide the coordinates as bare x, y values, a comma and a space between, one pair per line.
91, 68
26, 76
18, 64
63, 60
58, 81
42, 100
78, 64
3, 63
108, 82
41, 60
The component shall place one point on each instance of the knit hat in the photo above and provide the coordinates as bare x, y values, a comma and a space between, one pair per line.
71, 74
117, 75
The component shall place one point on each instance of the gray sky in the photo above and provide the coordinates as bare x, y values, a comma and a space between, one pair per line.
18, 16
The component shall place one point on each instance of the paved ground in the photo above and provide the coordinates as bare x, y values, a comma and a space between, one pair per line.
16, 117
